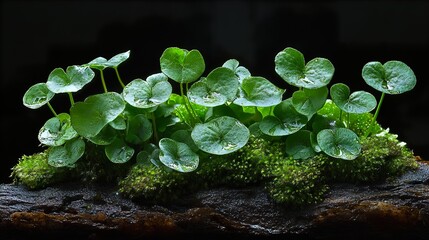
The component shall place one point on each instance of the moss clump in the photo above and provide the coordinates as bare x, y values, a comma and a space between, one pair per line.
297, 182
34, 171
152, 183
382, 156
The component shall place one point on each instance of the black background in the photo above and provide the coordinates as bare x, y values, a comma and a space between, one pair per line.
38, 36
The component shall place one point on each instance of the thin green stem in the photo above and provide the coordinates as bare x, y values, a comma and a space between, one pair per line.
71, 98
185, 100
52, 109
190, 105
119, 77
341, 115
377, 111
102, 81
155, 131
348, 119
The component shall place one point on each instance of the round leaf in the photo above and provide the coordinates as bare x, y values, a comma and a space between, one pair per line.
240, 71
258, 92
357, 102
220, 86
139, 129
67, 154
99, 63
221, 135
118, 59
118, 151
290, 65
88, 118
150, 93
394, 77
105, 137
57, 130
74, 79
149, 155
339, 143
309, 101
181, 65
177, 155
286, 120
37, 96
299, 145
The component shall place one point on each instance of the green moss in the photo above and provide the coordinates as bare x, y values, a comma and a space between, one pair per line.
382, 157
34, 171
297, 182
152, 183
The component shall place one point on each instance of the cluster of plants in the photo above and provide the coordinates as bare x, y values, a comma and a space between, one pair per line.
203, 131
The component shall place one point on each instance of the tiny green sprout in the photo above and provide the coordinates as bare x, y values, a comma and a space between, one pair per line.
393, 77
291, 66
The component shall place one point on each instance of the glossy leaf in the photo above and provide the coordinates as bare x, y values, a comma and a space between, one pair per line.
221, 135
37, 96
150, 93
67, 154
177, 155
119, 123
105, 137
258, 92
309, 101
299, 146
220, 86
339, 143
290, 65
57, 130
88, 118
118, 151
118, 59
99, 63
181, 65
74, 79
240, 71
286, 120
357, 102
149, 155
139, 129
184, 136
393, 77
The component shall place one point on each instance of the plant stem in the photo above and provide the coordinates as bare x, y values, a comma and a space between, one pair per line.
155, 131
119, 78
185, 100
377, 111
71, 98
52, 109
102, 81
341, 115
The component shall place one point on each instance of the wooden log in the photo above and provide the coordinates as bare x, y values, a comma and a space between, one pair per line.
397, 209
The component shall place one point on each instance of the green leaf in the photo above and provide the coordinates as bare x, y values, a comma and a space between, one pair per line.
290, 65
181, 65
240, 71
118, 151
74, 79
150, 93
99, 63
220, 86
37, 96
119, 123
286, 120
88, 118
309, 101
67, 154
177, 155
299, 146
149, 155
258, 92
118, 59
221, 135
105, 137
139, 130
357, 102
184, 136
339, 143
394, 77
57, 130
